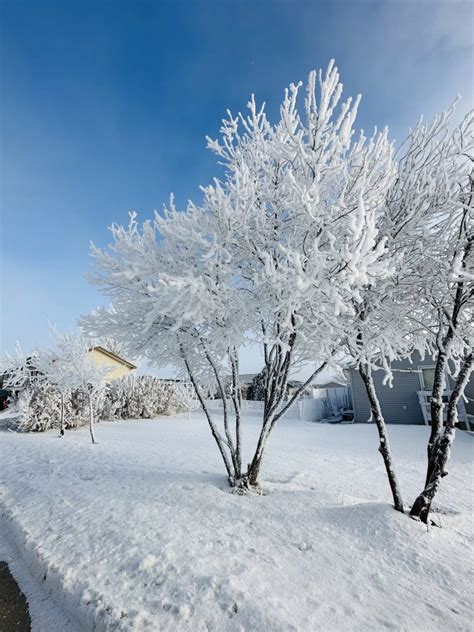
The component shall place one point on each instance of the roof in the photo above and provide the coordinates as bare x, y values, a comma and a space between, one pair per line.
115, 357
294, 383
245, 378
330, 385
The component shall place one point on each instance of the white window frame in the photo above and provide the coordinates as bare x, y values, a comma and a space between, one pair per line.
421, 377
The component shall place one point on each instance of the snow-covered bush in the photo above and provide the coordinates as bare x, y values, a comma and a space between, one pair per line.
141, 397
185, 397
130, 397
70, 367
39, 408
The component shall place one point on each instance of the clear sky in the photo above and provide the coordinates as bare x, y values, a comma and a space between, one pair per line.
105, 107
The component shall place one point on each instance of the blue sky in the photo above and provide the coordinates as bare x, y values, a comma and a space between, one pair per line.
105, 107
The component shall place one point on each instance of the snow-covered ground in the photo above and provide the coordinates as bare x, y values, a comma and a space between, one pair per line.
141, 533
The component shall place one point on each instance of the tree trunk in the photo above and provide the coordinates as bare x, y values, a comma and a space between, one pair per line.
91, 418
274, 409
384, 447
441, 449
61, 423
237, 401
253, 471
230, 443
214, 430
436, 405
444, 344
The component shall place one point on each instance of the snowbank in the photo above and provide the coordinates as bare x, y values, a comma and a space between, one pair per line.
141, 533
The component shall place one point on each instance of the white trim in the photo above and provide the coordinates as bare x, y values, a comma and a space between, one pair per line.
351, 389
423, 399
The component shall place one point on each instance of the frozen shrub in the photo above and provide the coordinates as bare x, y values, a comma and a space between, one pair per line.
141, 397
130, 397
40, 408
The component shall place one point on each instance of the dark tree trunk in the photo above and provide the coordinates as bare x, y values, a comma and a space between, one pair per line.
254, 467
230, 444
91, 418
436, 403
384, 447
448, 324
231, 475
444, 343
61, 427
254, 470
274, 409
237, 401
441, 449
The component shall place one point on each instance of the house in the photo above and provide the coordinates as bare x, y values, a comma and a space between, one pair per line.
332, 388
118, 366
246, 380
294, 385
407, 401
247, 384
337, 397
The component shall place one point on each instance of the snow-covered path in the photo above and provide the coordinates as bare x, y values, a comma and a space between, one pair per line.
140, 532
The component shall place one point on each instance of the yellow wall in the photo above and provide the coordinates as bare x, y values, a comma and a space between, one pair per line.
117, 369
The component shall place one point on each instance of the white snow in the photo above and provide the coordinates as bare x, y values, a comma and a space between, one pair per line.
45, 614
142, 533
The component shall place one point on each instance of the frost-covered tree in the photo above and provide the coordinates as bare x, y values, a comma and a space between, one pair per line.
109, 343
382, 328
186, 397
54, 373
278, 251
441, 448
424, 224
310, 214
446, 299
176, 307
70, 366
19, 371
57, 366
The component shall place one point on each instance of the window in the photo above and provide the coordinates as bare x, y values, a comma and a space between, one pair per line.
427, 377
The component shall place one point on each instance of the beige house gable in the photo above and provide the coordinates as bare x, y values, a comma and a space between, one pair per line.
118, 366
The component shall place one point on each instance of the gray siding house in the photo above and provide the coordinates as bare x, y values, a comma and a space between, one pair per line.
404, 402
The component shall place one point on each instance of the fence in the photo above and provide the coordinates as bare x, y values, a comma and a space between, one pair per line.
249, 406
325, 404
